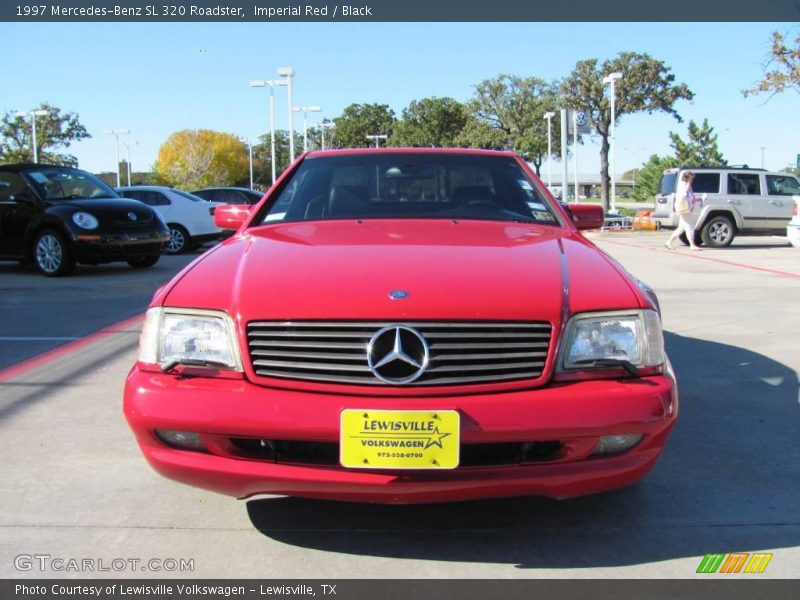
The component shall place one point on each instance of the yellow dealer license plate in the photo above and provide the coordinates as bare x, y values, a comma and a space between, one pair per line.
399, 439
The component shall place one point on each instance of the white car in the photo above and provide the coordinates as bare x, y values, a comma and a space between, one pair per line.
793, 228
190, 218
739, 201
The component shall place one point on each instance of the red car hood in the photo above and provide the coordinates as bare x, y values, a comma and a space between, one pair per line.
451, 271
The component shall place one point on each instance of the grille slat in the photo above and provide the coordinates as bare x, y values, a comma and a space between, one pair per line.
313, 366
326, 345
433, 335
319, 355
489, 346
282, 325
491, 356
460, 352
485, 367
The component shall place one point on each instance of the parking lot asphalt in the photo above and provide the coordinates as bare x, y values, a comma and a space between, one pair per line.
41, 313
75, 485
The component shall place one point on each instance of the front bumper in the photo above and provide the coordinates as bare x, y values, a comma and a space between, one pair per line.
793, 234
575, 414
93, 247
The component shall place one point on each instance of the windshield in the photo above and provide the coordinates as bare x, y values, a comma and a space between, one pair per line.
187, 195
410, 186
56, 183
666, 184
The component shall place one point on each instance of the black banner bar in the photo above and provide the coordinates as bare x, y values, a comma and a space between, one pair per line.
714, 586
266, 11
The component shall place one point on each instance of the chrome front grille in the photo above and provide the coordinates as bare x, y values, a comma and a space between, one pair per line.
460, 352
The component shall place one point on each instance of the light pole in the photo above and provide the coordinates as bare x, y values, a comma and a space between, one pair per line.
549, 116
305, 110
250, 156
116, 133
271, 83
762, 155
612, 78
322, 127
33, 114
288, 73
377, 138
128, 158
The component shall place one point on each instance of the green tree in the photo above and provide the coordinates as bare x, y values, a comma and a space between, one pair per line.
54, 131
508, 113
782, 70
357, 121
700, 149
649, 174
430, 122
262, 167
647, 85
480, 134
192, 159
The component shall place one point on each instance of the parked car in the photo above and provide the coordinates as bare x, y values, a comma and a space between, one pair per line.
58, 216
739, 201
230, 195
404, 325
793, 228
190, 219
617, 221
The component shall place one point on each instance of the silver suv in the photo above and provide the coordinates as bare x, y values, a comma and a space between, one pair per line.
739, 201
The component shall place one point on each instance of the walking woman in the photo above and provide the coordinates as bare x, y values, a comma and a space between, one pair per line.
684, 205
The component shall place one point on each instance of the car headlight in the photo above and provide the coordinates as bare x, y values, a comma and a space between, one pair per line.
631, 336
85, 220
189, 336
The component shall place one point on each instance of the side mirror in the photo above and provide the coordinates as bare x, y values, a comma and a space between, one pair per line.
587, 216
231, 216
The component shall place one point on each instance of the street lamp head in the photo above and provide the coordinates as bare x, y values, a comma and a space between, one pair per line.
285, 71
28, 113
258, 83
313, 108
611, 77
549, 115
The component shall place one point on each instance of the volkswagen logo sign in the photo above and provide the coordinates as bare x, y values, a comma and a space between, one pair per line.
398, 354
132, 216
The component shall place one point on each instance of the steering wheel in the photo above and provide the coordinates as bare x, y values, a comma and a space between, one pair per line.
476, 203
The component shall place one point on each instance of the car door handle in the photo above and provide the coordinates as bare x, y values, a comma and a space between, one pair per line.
733, 202
776, 202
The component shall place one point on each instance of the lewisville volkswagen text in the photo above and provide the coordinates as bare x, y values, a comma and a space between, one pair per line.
399, 326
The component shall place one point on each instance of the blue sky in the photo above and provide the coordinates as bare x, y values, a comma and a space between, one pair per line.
155, 79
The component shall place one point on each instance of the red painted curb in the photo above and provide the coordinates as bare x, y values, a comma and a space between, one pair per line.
709, 258
51, 355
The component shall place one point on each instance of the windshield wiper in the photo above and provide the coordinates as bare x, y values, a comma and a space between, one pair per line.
609, 362
192, 362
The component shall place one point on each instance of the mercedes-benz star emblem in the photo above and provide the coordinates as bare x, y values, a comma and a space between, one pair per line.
132, 216
397, 354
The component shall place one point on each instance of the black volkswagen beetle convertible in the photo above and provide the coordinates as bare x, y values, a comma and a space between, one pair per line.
59, 216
